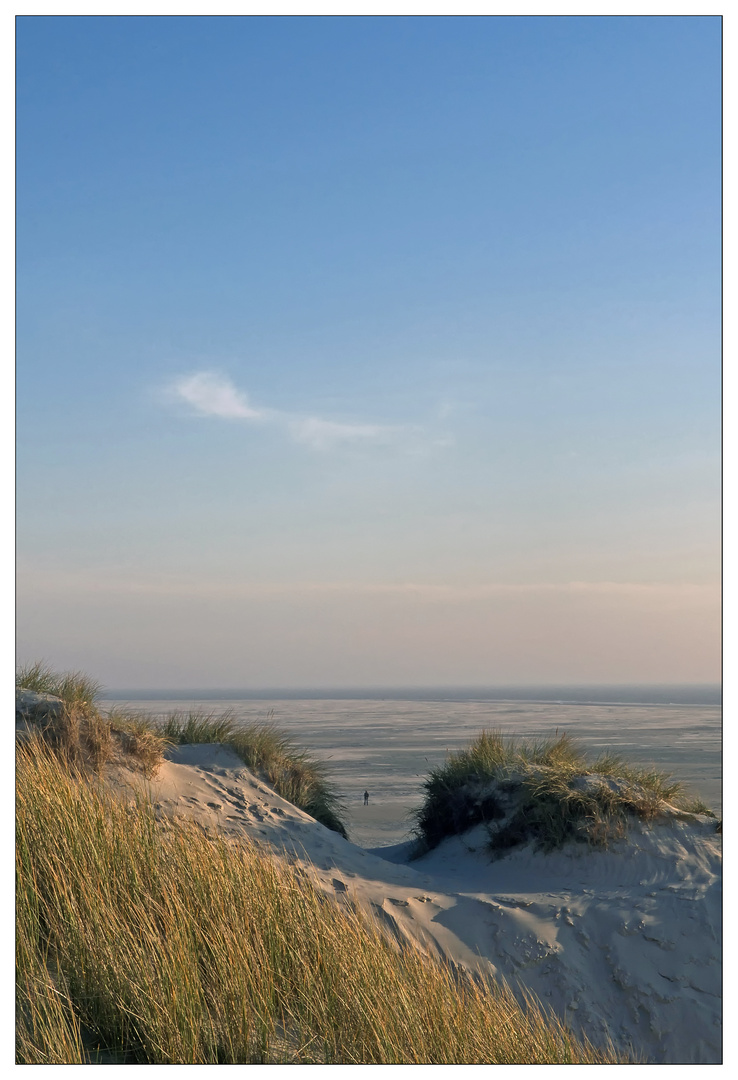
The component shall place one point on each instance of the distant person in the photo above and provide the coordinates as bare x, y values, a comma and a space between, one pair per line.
366, 798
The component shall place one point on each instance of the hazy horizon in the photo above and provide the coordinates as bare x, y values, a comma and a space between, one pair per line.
369, 351
624, 694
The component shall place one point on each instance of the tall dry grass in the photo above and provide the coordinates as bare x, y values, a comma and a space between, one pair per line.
146, 943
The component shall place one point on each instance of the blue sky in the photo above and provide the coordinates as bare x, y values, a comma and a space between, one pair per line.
369, 351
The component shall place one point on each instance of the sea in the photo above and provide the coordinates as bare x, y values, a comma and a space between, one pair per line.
385, 741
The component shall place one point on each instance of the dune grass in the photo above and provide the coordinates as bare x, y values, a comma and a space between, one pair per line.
80, 733
294, 774
153, 943
139, 739
76, 730
73, 687
547, 792
195, 726
84, 736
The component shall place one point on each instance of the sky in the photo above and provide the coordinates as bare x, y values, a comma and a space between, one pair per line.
374, 351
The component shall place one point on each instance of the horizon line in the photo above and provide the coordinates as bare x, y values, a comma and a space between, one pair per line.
352, 690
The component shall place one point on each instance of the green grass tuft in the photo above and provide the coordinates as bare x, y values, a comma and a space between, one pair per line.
547, 792
73, 687
194, 726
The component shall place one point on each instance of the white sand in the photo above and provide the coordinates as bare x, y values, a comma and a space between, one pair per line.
624, 943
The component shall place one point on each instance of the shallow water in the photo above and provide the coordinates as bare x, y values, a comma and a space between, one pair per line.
388, 746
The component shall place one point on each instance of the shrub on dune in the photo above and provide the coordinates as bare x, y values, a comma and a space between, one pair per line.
547, 792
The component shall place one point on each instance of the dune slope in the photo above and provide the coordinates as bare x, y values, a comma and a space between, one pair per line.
623, 943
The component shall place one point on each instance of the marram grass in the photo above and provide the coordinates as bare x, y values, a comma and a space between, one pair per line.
87, 738
73, 687
147, 942
546, 791
294, 774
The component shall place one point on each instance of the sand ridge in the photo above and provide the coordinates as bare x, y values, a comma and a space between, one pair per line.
623, 943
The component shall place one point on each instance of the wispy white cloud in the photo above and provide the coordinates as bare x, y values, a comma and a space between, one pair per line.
323, 434
209, 393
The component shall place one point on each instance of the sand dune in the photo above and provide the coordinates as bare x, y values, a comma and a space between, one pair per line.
623, 943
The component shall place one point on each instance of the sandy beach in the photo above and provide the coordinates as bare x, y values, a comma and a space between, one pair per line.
624, 944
